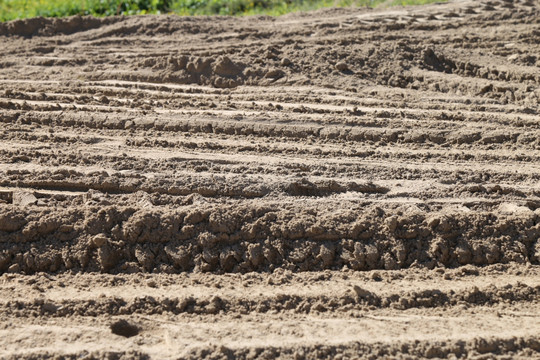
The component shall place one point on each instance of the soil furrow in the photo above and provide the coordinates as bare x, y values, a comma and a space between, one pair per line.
344, 183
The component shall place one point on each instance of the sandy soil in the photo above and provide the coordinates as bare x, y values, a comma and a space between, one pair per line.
339, 184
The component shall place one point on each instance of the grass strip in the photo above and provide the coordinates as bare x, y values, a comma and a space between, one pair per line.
19, 9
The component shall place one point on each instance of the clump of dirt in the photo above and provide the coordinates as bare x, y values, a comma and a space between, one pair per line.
51, 26
234, 239
123, 328
220, 72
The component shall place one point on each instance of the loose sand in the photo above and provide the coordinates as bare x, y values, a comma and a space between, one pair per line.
343, 183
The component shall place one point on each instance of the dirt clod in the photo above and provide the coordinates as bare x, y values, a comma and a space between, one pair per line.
342, 66
361, 293
124, 328
23, 198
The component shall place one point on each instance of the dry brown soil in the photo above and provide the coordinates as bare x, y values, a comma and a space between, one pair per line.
340, 184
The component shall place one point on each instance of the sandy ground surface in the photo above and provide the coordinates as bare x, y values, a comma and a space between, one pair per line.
338, 184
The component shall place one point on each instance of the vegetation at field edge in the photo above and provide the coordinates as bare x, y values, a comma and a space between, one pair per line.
16, 9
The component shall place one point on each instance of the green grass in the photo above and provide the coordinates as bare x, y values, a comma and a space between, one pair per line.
275, 7
16, 9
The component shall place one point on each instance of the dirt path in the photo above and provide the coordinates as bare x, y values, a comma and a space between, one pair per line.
351, 183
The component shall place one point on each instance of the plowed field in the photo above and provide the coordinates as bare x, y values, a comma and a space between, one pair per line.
346, 183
